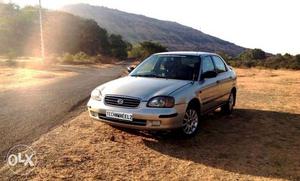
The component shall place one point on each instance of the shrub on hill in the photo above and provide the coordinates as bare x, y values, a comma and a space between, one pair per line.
258, 58
145, 49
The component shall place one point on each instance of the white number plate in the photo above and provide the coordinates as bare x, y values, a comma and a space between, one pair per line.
119, 115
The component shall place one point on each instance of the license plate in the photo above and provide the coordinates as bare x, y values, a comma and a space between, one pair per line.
119, 115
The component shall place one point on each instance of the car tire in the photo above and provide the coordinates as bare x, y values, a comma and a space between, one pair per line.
191, 122
228, 107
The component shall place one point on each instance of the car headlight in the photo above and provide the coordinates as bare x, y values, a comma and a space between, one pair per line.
96, 95
161, 101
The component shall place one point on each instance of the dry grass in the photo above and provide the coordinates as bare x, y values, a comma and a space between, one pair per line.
273, 90
260, 141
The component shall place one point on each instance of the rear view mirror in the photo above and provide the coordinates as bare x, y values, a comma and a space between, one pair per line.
209, 74
130, 69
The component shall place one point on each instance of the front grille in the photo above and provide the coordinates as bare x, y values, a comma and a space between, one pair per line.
122, 101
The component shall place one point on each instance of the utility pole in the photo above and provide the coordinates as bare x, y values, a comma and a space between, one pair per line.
42, 32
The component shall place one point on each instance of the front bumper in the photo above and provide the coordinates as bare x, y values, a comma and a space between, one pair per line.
144, 118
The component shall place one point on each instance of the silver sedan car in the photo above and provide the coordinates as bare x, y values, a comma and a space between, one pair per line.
167, 91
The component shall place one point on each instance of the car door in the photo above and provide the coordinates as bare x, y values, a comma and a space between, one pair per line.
224, 79
209, 89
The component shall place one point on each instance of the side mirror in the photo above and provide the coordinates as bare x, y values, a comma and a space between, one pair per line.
209, 74
130, 69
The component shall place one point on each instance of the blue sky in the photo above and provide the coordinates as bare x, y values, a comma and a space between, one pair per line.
272, 25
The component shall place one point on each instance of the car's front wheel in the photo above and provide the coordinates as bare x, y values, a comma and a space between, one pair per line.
190, 122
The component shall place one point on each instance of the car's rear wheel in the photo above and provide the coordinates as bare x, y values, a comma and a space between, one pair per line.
190, 122
228, 107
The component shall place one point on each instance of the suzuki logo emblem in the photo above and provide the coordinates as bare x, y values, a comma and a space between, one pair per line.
120, 101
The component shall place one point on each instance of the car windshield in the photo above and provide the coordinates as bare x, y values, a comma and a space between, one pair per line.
182, 67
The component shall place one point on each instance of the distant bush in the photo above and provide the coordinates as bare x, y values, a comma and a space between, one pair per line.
102, 59
67, 58
145, 49
81, 57
97, 58
136, 52
252, 54
257, 58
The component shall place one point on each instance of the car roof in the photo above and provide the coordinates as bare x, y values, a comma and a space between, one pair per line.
193, 53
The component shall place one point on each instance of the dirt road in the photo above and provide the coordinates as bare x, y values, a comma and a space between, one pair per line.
26, 113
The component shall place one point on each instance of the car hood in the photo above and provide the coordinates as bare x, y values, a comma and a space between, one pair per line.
142, 87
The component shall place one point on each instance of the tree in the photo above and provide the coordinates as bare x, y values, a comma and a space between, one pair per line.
146, 48
13, 29
152, 47
93, 39
118, 46
258, 54
253, 54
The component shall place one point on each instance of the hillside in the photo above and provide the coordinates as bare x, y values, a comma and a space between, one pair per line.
135, 28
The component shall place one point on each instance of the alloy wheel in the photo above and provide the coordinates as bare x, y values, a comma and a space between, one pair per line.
190, 121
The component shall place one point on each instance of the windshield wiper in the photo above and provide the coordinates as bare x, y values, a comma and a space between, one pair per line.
148, 75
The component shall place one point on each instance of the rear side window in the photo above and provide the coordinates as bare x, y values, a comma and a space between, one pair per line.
220, 66
207, 64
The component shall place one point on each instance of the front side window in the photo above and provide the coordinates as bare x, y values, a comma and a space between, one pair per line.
182, 67
220, 66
